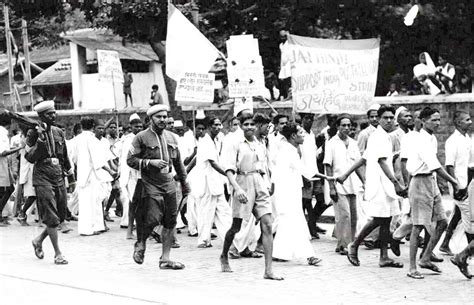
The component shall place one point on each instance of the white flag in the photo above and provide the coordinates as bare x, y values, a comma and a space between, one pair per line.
187, 49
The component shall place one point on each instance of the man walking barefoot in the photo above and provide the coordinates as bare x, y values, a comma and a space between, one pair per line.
244, 170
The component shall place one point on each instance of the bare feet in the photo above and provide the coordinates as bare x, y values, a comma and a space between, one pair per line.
272, 276
225, 264
131, 236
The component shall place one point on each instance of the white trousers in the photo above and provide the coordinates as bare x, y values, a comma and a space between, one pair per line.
91, 214
213, 209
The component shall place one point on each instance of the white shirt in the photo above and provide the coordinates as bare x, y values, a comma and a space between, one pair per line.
341, 158
423, 160
208, 150
363, 137
5, 179
274, 143
458, 152
378, 146
471, 160
308, 155
89, 158
407, 143
126, 172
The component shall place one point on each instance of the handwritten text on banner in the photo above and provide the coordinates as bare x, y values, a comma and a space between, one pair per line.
195, 89
110, 68
332, 76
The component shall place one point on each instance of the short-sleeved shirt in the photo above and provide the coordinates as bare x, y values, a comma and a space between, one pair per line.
407, 144
458, 152
423, 159
5, 174
49, 156
245, 156
341, 157
363, 137
148, 145
208, 150
378, 146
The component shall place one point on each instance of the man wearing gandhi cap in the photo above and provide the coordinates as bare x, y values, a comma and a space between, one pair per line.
155, 153
46, 149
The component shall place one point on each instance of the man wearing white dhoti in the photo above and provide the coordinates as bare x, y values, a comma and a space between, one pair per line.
128, 176
212, 206
92, 171
292, 239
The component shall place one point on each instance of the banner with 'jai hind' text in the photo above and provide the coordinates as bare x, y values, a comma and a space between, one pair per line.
332, 76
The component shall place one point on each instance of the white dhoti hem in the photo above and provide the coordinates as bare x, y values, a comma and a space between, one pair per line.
91, 215
213, 209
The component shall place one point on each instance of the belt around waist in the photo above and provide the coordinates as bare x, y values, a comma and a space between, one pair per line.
424, 175
244, 173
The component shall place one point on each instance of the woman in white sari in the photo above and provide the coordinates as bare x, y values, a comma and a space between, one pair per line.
425, 74
292, 239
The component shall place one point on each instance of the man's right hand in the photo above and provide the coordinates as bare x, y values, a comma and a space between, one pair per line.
158, 163
341, 179
241, 195
40, 131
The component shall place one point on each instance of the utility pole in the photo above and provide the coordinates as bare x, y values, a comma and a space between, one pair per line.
6, 17
26, 52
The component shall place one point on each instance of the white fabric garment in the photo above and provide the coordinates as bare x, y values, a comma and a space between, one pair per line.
212, 207
308, 155
292, 239
378, 146
128, 177
363, 137
458, 152
92, 189
5, 174
423, 160
341, 158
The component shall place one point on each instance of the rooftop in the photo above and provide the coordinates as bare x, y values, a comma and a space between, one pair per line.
59, 73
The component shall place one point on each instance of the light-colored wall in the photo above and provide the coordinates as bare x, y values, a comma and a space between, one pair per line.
90, 93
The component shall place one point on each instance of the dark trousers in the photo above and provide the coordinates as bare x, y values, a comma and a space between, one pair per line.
5, 193
314, 212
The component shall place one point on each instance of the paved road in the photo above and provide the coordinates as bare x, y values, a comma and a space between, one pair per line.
102, 271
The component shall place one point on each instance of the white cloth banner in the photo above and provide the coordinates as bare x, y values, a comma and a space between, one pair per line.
187, 49
110, 68
195, 89
332, 76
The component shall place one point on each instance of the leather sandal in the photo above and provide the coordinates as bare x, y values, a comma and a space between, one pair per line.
38, 250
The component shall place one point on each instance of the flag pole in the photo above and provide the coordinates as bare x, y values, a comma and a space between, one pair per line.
115, 102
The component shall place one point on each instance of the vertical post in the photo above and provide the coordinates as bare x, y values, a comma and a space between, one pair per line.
6, 17
26, 52
115, 102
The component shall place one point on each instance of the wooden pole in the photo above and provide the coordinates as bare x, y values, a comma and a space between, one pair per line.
26, 52
6, 18
115, 103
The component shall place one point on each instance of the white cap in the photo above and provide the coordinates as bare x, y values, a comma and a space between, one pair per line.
156, 108
178, 123
44, 106
399, 111
134, 116
200, 114
375, 107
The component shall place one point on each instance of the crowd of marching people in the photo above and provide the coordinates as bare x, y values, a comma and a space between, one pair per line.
261, 187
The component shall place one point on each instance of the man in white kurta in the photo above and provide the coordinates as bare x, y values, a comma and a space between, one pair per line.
128, 176
212, 206
90, 160
381, 188
340, 154
457, 152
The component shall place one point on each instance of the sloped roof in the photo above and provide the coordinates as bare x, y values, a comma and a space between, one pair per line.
59, 73
103, 40
49, 54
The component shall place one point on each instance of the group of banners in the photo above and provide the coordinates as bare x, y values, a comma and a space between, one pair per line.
327, 76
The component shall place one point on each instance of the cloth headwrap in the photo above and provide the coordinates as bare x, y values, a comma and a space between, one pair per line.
156, 108
178, 123
399, 111
375, 107
44, 106
134, 117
